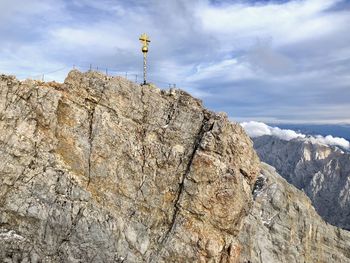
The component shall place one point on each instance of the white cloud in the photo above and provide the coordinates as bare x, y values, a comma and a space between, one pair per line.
330, 140
294, 21
16, 11
229, 69
99, 37
257, 129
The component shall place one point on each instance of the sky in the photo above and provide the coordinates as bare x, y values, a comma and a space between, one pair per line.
269, 61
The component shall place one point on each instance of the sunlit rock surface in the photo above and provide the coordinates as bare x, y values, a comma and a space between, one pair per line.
100, 169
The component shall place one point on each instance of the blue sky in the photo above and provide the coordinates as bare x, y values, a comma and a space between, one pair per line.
271, 61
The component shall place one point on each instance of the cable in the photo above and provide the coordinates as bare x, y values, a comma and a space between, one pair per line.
127, 74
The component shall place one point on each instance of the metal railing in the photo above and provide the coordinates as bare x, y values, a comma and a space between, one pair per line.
60, 73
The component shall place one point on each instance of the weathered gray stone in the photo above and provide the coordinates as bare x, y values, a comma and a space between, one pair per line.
100, 169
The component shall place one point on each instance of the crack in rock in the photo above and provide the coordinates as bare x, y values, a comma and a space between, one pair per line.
198, 139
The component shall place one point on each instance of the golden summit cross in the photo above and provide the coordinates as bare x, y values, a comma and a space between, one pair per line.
145, 42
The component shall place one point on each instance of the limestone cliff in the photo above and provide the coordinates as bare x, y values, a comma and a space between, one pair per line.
100, 169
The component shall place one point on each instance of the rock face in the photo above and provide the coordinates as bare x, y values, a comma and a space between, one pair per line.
100, 169
284, 227
321, 171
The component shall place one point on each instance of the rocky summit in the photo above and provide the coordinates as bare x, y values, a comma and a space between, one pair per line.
100, 169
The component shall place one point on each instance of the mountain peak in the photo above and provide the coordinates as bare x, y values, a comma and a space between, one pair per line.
100, 167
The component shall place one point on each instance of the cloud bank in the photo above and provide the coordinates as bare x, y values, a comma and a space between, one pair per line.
330, 140
257, 129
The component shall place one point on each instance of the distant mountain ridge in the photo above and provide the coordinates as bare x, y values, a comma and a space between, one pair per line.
283, 226
321, 171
